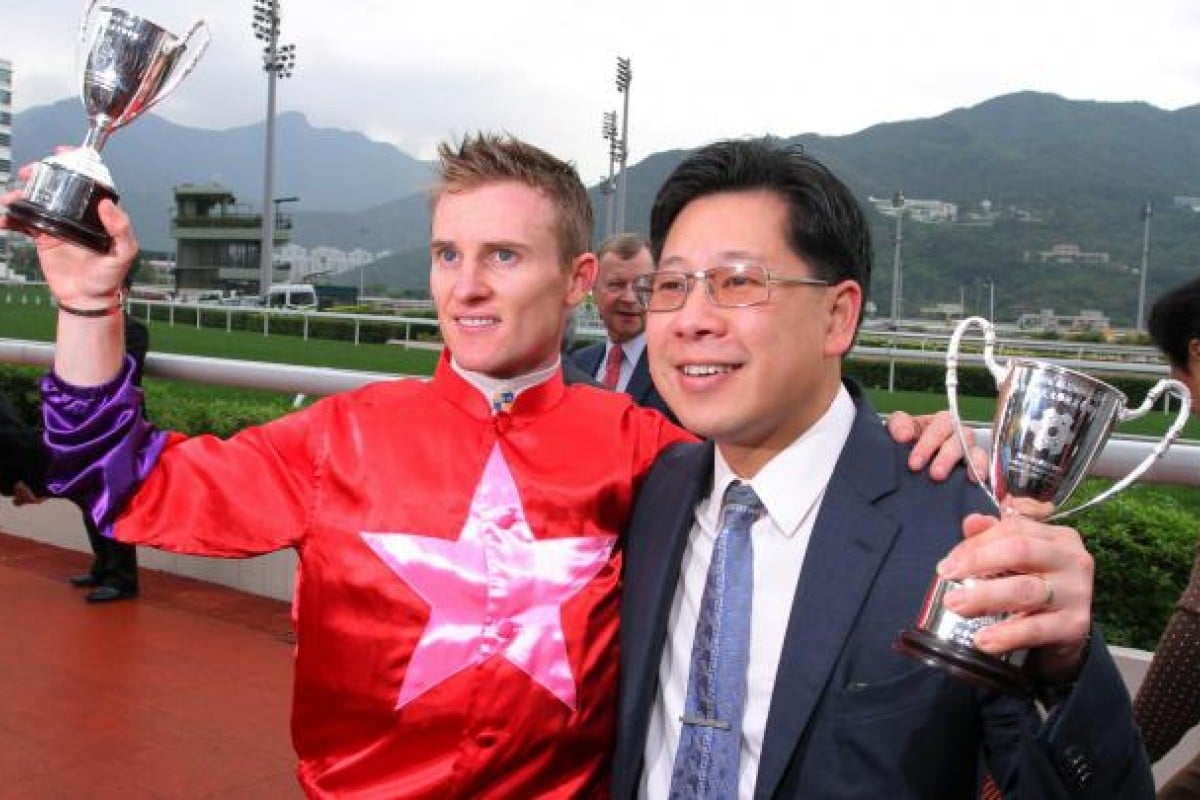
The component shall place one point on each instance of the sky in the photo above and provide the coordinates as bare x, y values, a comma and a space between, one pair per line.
414, 74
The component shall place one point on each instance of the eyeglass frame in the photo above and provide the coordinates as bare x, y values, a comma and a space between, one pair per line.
643, 288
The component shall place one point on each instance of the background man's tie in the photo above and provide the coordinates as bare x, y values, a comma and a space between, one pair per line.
612, 367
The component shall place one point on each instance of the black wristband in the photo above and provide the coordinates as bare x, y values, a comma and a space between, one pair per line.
94, 312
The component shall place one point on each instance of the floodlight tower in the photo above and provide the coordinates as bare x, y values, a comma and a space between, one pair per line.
609, 132
1147, 213
897, 293
624, 78
278, 62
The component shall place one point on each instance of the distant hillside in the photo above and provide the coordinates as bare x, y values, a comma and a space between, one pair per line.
1027, 148
328, 169
394, 225
405, 271
1086, 169
1083, 170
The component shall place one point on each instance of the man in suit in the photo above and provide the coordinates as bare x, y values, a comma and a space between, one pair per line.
757, 633
620, 362
22, 457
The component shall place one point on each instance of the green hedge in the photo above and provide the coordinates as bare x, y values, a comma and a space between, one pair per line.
20, 385
973, 381
1143, 542
171, 405
223, 417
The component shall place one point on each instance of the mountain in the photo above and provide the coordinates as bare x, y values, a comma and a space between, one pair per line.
328, 169
1053, 171
1034, 149
1084, 169
406, 271
395, 225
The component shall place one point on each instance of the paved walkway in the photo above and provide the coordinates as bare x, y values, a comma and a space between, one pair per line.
180, 694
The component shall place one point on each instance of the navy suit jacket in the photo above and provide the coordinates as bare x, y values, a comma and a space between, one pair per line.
640, 387
849, 717
22, 456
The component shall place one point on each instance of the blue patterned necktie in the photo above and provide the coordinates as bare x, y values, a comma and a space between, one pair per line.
710, 742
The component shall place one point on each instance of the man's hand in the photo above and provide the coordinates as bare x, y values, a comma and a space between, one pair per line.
79, 277
89, 349
1041, 574
23, 495
936, 443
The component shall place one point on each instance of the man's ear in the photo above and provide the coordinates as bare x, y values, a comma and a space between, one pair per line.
845, 306
583, 276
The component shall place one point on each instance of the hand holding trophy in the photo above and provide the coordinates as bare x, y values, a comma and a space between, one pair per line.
128, 65
1050, 425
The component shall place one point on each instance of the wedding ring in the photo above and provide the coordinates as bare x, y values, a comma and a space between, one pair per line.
1049, 601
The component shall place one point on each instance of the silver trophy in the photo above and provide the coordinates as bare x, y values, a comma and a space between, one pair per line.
1050, 425
128, 65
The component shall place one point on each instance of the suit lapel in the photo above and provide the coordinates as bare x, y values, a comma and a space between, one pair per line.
639, 381
849, 542
589, 358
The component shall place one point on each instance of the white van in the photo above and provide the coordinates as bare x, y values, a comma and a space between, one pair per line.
298, 296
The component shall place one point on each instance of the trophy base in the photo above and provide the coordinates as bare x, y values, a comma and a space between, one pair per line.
65, 204
60, 227
964, 663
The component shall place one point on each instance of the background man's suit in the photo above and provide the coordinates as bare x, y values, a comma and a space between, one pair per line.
640, 387
849, 717
115, 563
22, 456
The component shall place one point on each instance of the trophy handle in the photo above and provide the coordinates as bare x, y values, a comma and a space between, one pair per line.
999, 374
1167, 440
84, 23
88, 7
199, 30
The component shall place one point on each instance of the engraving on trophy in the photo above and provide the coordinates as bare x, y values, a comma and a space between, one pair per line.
1051, 431
963, 631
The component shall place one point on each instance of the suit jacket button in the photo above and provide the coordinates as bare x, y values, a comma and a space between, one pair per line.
1076, 766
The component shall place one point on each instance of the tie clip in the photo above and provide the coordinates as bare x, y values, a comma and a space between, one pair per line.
707, 723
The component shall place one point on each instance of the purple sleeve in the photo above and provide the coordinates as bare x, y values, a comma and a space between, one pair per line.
101, 446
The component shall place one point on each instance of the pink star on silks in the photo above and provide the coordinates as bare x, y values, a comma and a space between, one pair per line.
494, 590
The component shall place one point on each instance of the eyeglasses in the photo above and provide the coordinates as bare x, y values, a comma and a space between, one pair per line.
729, 286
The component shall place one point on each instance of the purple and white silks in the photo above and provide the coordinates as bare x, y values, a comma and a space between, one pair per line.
101, 445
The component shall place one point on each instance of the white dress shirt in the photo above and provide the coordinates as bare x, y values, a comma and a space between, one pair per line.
791, 487
632, 350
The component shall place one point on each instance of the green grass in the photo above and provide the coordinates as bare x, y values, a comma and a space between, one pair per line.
291, 350
35, 321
